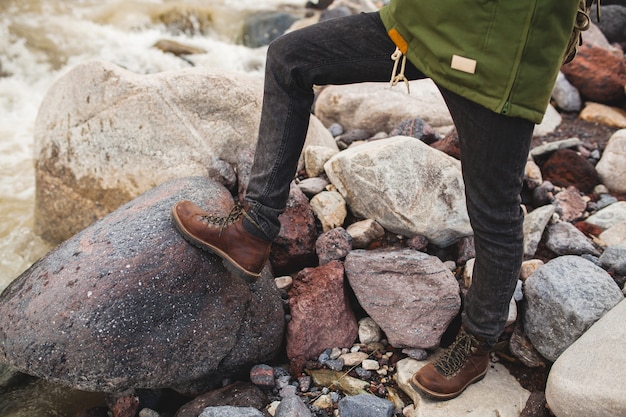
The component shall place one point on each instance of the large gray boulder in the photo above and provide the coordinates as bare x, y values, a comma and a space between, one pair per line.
104, 135
563, 299
127, 303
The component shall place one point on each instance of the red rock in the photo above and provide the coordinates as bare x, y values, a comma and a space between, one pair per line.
333, 245
589, 229
294, 247
321, 316
262, 376
126, 406
449, 145
598, 74
566, 168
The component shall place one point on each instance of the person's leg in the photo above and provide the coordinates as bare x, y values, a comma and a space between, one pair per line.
494, 150
339, 51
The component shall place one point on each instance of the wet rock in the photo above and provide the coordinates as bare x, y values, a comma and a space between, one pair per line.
321, 313
261, 28
94, 412
177, 48
9, 377
101, 309
412, 296
188, 20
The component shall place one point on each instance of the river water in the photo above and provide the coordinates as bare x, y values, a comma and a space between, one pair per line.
40, 40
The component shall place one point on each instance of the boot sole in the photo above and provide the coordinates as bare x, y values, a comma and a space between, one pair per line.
228, 262
439, 396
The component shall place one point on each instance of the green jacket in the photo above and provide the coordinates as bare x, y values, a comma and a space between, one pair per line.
502, 54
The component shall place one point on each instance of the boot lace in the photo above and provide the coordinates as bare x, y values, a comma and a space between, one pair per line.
233, 216
455, 356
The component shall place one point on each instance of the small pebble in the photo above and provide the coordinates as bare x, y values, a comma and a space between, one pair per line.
370, 365
335, 364
262, 376
335, 129
324, 356
417, 354
362, 373
305, 383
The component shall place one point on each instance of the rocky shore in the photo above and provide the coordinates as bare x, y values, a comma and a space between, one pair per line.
367, 277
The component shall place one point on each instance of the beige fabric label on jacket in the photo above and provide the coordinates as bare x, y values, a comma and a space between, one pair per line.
463, 64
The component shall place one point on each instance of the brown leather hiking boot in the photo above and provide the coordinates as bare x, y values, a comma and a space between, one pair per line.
461, 364
243, 253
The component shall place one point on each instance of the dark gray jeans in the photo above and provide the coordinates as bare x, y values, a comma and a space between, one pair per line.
494, 149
